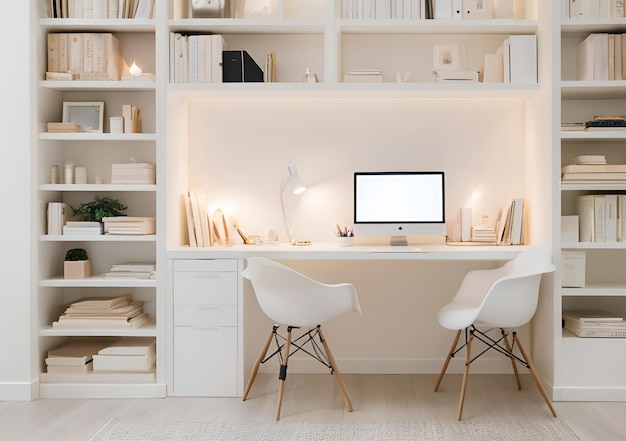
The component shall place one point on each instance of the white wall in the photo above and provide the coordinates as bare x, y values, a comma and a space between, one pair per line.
15, 228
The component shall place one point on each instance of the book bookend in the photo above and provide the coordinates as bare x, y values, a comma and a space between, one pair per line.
78, 269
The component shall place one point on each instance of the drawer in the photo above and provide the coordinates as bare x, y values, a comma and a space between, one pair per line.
205, 265
205, 361
205, 288
215, 315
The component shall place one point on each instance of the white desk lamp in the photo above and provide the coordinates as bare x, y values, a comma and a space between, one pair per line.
297, 187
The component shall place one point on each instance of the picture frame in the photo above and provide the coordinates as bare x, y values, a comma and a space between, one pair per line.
448, 57
89, 115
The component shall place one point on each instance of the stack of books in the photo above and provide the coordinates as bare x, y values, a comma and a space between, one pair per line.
73, 356
600, 57
594, 323
81, 228
196, 58
593, 172
606, 122
127, 225
483, 234
363, 76
132, 270
133, 173
119, 312
510, 228
128, 354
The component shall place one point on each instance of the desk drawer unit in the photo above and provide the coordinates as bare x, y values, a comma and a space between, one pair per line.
205, 328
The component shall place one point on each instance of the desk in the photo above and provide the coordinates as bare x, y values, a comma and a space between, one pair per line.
399, 293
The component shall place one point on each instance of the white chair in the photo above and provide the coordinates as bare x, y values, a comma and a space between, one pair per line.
292, 299
501, 298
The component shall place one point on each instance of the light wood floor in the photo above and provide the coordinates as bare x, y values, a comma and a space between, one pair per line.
317, 398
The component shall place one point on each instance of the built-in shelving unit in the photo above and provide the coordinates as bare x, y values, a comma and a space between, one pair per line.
96, 152
598, 377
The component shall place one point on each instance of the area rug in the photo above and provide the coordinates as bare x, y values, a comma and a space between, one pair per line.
117, 430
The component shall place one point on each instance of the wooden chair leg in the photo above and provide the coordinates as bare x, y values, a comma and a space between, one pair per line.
465, 375
283, 373
333, 364
444, 368
533, 371
257, 363
510, 351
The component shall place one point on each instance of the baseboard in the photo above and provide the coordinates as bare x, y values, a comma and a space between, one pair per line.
19, 391
613, 393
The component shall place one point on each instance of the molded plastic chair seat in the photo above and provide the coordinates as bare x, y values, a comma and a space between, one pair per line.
502, 298
290, 298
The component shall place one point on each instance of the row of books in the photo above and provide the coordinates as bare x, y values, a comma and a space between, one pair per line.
85, 357
132, 270
205, 229
510, 228
133, 173
84, 56
196, 58
591, 9
601, 217
601, 57
119, 312
594, 323
431, 9
100, 8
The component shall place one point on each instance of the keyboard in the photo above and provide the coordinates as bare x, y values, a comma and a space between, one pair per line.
395, 249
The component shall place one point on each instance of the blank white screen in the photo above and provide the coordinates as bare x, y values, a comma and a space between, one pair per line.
399, 197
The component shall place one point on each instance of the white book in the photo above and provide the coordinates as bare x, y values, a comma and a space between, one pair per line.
131, 346
99, 9
506, 61
457, 9
600, 215
87, 8
383, 9
192, 57
443, 9
591, 316
621, 217
586, 215
523, 59
573, 269
517, 221
610, 218
569, 229
602, 9
217, 47
141, 363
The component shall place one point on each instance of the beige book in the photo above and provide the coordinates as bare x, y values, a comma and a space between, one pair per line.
53, 53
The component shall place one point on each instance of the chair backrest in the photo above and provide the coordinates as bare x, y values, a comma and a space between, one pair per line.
512, 299
291, 298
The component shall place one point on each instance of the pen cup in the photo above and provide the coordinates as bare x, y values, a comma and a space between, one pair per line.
345, 241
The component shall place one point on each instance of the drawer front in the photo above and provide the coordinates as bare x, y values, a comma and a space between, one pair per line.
214, 315
205, 265
205, 361
205, 288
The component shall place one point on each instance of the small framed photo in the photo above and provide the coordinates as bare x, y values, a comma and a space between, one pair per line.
448, 57
88, 114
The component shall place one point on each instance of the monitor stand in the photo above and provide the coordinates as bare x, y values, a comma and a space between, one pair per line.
398, 241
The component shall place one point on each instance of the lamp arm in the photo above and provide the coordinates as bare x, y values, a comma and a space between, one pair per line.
283, 185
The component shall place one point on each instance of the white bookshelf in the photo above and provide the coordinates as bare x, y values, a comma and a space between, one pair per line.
96, 152
577, 360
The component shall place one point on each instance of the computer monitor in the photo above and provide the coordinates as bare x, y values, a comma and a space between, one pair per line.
399, 204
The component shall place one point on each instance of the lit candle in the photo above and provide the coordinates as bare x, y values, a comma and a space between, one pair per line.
134, 70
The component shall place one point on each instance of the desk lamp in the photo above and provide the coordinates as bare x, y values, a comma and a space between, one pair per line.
297, 187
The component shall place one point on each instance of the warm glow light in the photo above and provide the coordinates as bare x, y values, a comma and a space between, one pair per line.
134, 70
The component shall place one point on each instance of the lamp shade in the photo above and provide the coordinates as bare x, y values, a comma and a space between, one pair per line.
297, 186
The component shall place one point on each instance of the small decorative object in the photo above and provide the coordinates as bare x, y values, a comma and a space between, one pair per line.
132, 118
59, 127
345, 236
136, 74
99, 208
88, 114
116, 124
54, 174
76, 264
69, 172
448, 57
80, 175
310, 77
207, 8
99, 180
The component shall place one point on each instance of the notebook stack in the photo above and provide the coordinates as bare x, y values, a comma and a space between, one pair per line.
103, 313
132, 270
129, 225
133, 173
128, 354
594, 323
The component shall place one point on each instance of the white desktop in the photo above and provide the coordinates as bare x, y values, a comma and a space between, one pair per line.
399, 204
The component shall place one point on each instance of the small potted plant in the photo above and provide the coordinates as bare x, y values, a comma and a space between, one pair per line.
76, 265
95, 210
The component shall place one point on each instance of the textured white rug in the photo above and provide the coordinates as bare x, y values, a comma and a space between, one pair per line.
117, 430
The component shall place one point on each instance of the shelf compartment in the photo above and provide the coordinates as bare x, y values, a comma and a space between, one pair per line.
98, 238
99, 86
613, 89
100, 25
97, 281
148, 330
